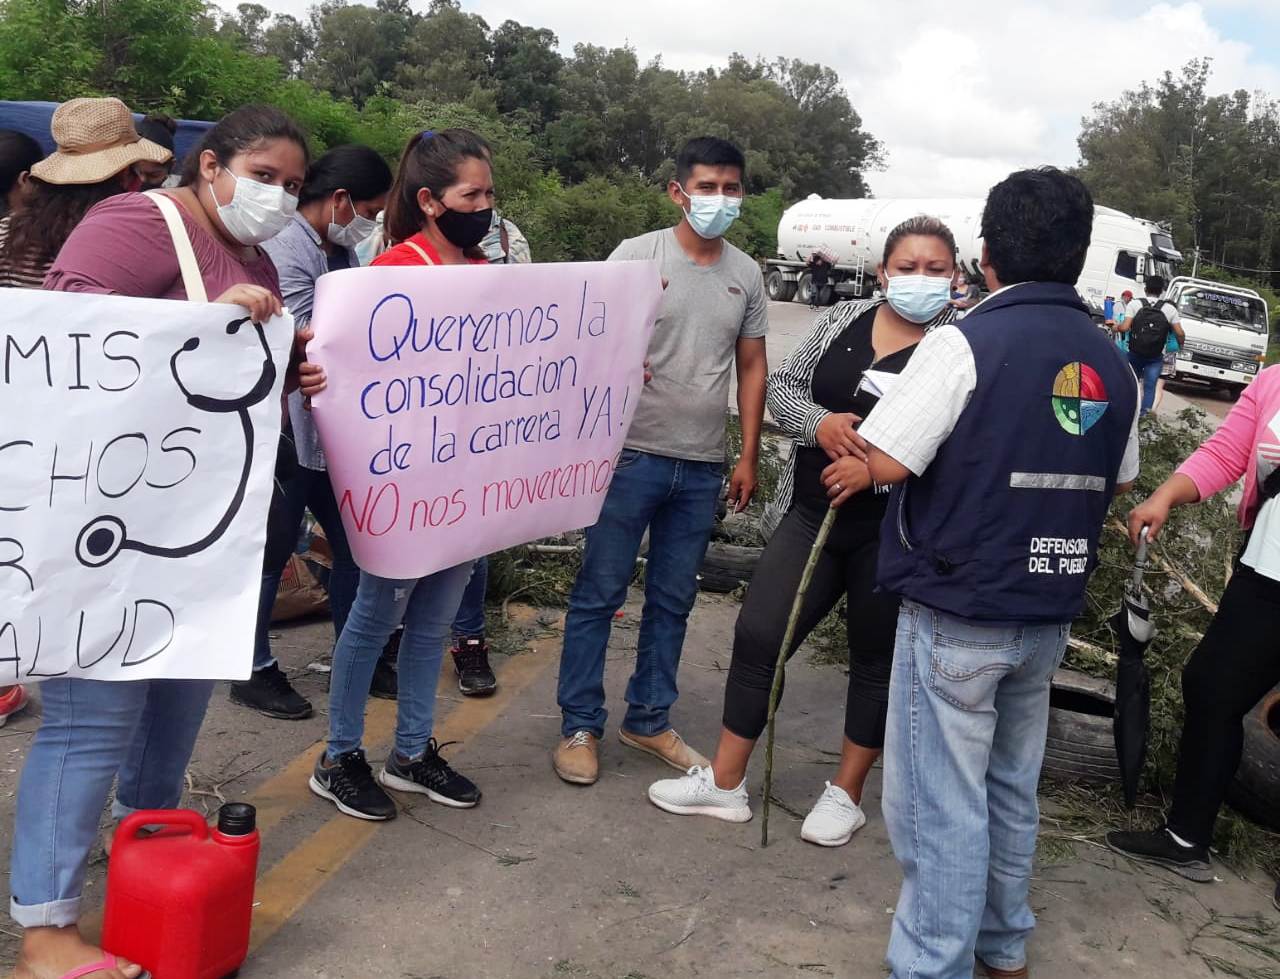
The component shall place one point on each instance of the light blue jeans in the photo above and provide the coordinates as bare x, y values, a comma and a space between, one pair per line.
968, 714
142, 731
427, 607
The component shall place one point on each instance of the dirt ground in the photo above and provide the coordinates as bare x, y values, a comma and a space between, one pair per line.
549, 880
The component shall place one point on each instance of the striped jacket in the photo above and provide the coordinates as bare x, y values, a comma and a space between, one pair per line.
790, 395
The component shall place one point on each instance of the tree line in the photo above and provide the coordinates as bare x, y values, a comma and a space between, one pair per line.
583, 142
1208, 165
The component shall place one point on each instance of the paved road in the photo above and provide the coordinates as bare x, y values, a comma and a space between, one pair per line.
549, 881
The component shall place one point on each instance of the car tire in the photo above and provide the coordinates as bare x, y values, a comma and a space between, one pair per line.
726, 567
1080, 746
1255, 791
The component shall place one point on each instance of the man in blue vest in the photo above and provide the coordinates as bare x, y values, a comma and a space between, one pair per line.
1006, 436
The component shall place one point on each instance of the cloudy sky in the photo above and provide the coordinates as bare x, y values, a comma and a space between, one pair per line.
960, 93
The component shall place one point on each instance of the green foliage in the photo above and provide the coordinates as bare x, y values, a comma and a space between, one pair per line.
756, 231
1172, 153
583, 145
1199, 542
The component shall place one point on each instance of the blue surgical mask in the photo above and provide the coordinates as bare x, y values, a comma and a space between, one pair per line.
918, 298
710, 215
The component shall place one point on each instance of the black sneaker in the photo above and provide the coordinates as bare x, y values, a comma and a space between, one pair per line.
471, 664
349, 784
1157, 846
269, 692
386, 681
431, 776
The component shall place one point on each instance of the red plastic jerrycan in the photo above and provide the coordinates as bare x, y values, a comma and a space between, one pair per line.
180, 900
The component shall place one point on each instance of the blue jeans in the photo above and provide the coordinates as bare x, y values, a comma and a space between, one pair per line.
968, 715
142, 731
1148, 371
470, 618
426, 606
301, 490
676, 500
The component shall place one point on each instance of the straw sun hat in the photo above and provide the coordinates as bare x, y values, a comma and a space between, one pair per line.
96, 140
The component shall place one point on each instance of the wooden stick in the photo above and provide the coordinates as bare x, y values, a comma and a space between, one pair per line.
1194, 590
1087, 647
806, 576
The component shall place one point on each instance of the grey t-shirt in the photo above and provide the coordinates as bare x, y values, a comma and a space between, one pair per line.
704, 311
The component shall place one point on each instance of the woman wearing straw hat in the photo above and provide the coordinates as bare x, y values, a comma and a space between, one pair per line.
239, 189
98, 149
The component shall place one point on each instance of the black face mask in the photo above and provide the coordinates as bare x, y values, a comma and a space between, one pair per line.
466, 229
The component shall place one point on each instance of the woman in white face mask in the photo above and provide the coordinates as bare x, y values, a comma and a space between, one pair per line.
818, 397
239, 189
344, 191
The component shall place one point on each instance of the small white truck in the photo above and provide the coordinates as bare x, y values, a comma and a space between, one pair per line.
1226, 328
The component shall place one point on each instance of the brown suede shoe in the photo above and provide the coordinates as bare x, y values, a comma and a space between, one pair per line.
575, 758
994, 973
667, 745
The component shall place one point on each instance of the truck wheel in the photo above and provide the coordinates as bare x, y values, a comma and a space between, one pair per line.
826, 295
1255, 792
1081, 740
779, 289
804, 289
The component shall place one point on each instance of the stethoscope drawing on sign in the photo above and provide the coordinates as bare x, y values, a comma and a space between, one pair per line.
102, 538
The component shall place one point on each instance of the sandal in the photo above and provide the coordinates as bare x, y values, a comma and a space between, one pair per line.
107, 963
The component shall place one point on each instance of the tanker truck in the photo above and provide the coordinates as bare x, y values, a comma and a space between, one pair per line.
850, 234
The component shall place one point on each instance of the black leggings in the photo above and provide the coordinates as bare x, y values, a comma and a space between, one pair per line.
1234, 666
847, 567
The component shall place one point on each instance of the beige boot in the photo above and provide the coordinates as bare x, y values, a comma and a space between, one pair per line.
575, 758
667, 745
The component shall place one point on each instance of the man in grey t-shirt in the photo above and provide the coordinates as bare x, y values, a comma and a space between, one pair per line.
669, 477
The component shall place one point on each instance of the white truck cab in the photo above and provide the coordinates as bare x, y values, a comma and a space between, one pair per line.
1226, 328
1124, 250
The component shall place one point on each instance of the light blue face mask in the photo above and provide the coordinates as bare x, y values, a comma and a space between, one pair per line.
918, 298
710, 215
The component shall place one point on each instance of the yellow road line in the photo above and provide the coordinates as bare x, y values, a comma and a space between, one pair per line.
288, 885
295, 879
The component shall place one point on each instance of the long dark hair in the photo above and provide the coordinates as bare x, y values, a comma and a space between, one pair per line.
40, 227
430, 160
18, 154
358, 170
241, 130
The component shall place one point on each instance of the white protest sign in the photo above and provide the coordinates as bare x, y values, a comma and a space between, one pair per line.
137, 447
472, 408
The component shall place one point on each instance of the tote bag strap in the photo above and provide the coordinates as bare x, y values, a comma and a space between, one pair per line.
426, 259
192, 280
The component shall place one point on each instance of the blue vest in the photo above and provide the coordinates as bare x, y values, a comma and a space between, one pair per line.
1003, 526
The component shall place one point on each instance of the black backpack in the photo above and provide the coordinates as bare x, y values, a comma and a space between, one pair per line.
1149, 331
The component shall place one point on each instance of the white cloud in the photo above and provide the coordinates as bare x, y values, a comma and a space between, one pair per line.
959, 94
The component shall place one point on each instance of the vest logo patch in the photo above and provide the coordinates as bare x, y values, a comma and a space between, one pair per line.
1079, 398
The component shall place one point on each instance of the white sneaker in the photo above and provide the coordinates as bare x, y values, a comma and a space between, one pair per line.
833, 819
696, 794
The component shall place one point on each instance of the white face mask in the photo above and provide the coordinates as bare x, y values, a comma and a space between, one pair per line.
354, 231
256, 211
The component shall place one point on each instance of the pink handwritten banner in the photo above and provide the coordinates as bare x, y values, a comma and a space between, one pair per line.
473, 408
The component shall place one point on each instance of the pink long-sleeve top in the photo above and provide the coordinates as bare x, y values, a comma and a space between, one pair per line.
1251, 432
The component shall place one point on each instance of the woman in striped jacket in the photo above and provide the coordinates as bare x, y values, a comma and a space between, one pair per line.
818, 396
